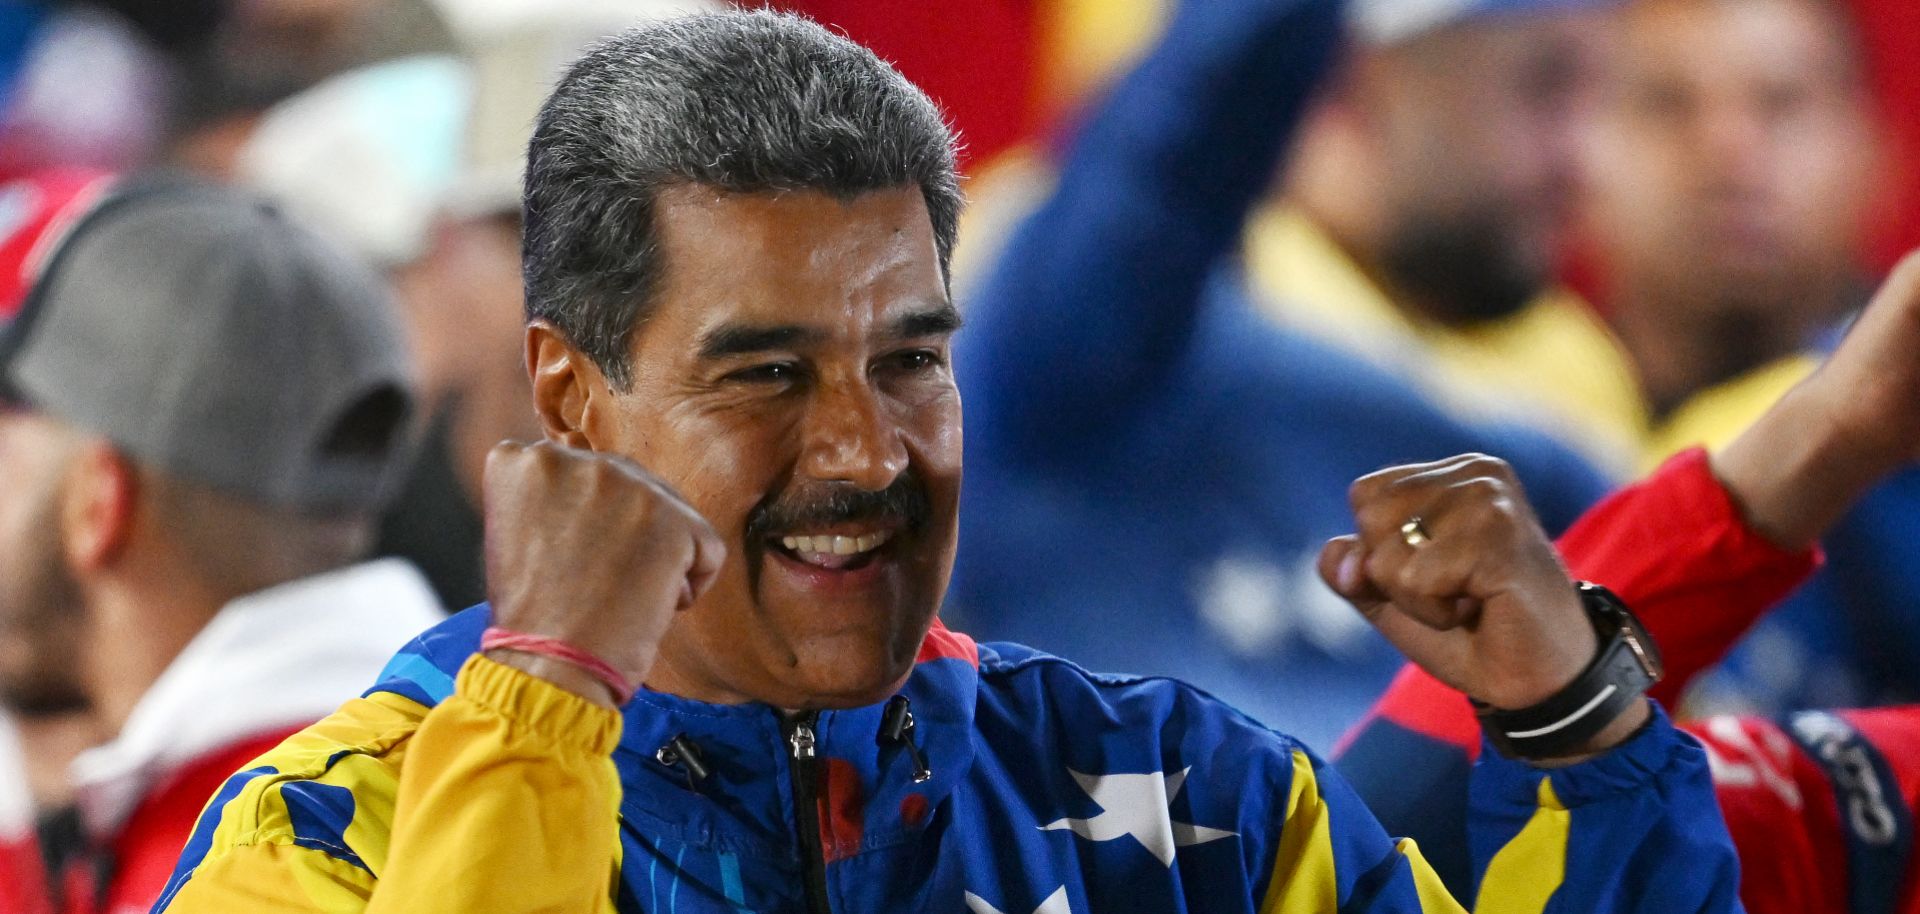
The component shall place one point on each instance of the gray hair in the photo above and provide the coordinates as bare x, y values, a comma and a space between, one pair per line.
744, 102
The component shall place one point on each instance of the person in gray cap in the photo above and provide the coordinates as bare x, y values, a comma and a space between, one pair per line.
203, 407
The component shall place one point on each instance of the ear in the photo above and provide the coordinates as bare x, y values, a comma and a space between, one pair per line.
97, 509
566, 385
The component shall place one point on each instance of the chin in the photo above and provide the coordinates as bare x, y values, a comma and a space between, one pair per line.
852, 671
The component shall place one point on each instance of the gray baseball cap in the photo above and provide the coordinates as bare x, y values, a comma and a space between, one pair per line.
206, 335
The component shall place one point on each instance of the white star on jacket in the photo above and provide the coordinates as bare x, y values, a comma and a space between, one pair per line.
1138, 805
1056, 903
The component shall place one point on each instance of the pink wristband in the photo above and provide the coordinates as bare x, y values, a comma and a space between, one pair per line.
507, 639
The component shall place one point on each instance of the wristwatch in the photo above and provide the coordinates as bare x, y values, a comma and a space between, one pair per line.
1627, 665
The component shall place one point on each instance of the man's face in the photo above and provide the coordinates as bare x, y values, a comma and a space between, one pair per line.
792, 380
1480, 129
1734, 154
40, 611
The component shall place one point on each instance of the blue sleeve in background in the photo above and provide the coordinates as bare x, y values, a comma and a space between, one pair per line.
20, 23
1095, 296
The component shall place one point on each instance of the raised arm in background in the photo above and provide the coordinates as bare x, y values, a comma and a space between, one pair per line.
1097, 293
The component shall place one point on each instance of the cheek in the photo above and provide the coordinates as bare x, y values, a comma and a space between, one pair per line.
724, 461
933, 433
1825, 177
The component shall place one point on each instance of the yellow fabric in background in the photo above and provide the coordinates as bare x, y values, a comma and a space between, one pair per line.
1715, 416
1554, 365
1084, 43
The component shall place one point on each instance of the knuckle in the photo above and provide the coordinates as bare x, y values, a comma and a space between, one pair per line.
1482, 490
1491, 520
602, 473
1366, 490
1489, 465
1375, 517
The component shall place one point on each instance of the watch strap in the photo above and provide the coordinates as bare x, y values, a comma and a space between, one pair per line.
1625, 667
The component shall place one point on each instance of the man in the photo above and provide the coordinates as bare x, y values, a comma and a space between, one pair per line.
1736, 167
1421, 215
203, 405
1821, 804
36, 747
1114, 342
737, 231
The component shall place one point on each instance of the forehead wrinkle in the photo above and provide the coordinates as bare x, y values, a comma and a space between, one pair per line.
800, 259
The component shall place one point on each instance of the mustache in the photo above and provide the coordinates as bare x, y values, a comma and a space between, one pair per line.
903, 502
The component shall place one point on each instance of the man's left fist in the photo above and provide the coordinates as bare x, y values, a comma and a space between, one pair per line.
1450, 564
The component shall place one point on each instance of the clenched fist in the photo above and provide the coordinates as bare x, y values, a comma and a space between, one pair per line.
590, 549
1451, 566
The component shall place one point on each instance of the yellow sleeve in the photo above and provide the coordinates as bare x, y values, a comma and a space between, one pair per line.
502, 798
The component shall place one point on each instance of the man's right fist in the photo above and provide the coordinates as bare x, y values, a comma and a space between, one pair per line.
592, 550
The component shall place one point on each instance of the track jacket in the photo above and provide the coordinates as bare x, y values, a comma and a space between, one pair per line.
458, 784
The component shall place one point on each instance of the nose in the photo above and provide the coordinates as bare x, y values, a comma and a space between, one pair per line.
850, 437
1734, 138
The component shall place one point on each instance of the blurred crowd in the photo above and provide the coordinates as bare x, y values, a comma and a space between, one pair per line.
1584, 236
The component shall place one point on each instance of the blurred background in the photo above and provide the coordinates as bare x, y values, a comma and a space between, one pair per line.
1583, 235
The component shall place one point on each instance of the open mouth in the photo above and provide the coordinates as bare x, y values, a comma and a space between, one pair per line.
834, 552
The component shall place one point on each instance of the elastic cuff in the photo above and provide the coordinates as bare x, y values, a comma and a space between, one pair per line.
1631, 765
538, 705
1704, 495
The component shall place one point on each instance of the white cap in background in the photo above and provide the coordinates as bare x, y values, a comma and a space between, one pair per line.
1389, 22
372, 156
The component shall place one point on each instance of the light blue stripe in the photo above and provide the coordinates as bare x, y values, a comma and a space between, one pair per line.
421, 672
730, 881
653, 886
673, 891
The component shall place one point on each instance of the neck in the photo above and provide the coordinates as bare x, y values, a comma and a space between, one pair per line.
1679, 350
134, 637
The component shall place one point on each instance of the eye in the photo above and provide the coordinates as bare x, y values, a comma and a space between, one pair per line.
770, 373
918, 360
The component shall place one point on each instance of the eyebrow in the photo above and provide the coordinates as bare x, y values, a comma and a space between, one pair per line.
733, 340
940, 320
744, 339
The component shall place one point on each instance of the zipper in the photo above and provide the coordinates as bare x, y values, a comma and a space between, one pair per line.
806, 808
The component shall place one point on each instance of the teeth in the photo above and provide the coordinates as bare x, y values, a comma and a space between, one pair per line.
835, 545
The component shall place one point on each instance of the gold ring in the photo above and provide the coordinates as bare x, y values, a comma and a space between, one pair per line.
1414, 532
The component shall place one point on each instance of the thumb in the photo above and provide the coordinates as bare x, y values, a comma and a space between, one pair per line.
709, 552
1343, 566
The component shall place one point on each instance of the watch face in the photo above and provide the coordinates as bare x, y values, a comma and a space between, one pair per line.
1610, 612
1648, 658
